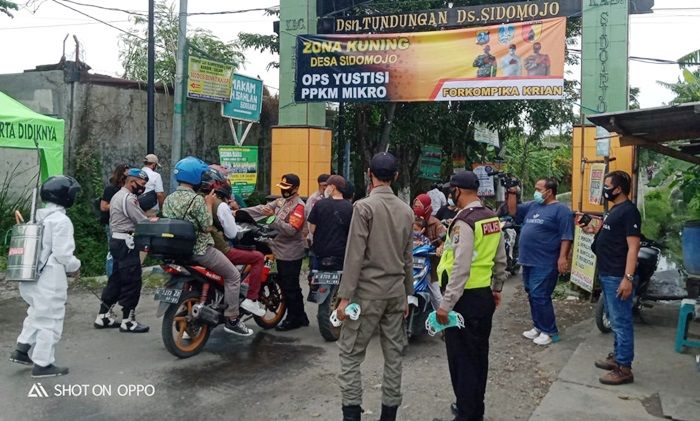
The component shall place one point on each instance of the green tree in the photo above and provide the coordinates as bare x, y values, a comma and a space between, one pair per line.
6, 6
133, 49
263, 43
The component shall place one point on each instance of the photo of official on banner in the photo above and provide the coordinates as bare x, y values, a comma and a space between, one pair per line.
523, 60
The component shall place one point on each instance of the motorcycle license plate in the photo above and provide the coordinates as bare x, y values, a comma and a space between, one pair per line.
327, 278
419, 262
166, 295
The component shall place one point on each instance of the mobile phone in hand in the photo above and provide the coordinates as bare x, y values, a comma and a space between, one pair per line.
584, 220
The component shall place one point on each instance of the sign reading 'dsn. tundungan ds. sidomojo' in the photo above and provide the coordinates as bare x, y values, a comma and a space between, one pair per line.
523, 60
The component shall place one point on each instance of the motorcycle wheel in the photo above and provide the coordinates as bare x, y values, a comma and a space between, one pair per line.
601, 316
176, 321
271, 298
329, 332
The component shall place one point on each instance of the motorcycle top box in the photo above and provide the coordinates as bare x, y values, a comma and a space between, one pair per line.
166, 238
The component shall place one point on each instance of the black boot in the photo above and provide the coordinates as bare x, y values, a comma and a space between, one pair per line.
21, 354
388, 413
352, 413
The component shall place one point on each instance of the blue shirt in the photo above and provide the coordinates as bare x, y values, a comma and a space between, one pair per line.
544, 227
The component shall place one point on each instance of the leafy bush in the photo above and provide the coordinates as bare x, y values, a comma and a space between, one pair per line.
90, 239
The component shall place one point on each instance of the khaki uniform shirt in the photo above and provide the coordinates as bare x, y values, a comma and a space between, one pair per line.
124, 212
289, 222
379, 252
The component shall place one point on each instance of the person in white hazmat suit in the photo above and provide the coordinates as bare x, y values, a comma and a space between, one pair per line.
46, 297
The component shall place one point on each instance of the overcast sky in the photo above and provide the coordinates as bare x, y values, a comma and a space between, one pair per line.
32, 39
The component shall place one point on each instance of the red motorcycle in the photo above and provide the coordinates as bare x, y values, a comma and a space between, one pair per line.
192, 300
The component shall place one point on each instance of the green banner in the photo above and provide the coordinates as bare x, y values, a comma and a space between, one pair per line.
23, 128
246, 99
604, 59
242, 164
430, 162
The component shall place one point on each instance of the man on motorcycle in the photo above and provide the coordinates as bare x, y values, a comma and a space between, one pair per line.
474, 263
329, 222
225, 229
185, 203
288, 246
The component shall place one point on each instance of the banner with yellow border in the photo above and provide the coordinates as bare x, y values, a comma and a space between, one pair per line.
522, 60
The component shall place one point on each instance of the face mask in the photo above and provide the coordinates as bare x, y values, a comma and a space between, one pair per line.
455, 194
512, 52
328, 192
287, 193
137, 189
608, 193
538, 197
432, 325
450, 202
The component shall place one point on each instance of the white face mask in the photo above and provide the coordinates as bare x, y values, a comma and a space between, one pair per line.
328, 192
450, 202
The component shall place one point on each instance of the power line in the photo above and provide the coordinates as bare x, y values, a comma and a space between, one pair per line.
646, 59
111, 9
60, 25
99, 20
232, 12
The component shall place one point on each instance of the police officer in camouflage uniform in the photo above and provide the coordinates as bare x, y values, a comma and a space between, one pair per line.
377, 275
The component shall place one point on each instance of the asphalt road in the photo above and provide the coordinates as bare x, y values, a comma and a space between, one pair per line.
269, 376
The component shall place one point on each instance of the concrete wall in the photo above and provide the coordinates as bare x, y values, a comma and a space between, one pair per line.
108, 123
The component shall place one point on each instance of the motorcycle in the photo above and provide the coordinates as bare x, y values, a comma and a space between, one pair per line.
647, 263
192, 300
323, 288
511, 233
419, 304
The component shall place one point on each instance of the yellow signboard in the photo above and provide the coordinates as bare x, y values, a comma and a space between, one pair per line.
586, 161
209, 80
584, 261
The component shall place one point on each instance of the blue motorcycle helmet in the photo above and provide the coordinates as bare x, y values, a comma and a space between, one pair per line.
190, 170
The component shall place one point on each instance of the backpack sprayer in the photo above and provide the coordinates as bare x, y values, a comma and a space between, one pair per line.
25, 241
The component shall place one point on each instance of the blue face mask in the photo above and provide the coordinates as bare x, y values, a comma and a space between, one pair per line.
538, 197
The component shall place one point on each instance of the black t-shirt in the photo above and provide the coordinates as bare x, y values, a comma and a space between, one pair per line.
332, 219
610, 245
107, 195
446, 213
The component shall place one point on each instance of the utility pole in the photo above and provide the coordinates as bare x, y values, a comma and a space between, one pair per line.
176, 148
150, 90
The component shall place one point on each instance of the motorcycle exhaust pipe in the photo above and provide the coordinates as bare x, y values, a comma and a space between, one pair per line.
205, 314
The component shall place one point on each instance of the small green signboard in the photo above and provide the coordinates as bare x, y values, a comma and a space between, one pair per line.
246, 99
430, 162
242, 164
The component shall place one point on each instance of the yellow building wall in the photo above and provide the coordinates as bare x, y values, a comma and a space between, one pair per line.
584, 146
304, 151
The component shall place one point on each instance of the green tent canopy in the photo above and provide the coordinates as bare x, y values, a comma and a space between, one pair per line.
23, 128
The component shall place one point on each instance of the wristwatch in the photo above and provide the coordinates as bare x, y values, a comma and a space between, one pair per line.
629, 277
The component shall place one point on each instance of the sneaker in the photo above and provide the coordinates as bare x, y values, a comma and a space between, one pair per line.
545, 339
608, 363
106, 321
48, 371
237, 327
20, 357
617, 376
532, 333
253, 307
130, 325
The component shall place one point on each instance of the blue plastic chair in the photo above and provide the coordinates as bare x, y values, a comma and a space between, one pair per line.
687, 313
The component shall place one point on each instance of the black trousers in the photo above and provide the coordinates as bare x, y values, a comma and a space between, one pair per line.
124, 285
288, 275
468, 352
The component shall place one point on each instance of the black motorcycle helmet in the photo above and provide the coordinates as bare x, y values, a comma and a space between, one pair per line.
61, 190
